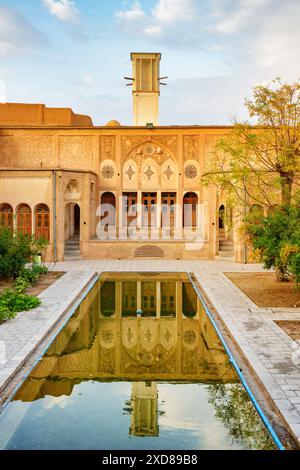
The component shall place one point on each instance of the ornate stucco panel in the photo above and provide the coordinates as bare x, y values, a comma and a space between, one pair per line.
130, 175
159, 147
169, 174
27, 151
108, 174
107, 147
76, 152
191, 147
73, 189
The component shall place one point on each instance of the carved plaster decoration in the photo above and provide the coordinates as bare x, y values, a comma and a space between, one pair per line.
191, 171
130, 172
72, 190
107, 172
148, 172
76, 152
191, 147
160, 148
168, 172
108, 147
27, 151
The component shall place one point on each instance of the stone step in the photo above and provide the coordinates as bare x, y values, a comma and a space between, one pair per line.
226, 247
72, 258
225, 253
224, 258
72, 252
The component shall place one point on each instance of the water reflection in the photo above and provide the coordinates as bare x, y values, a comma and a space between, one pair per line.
106, 343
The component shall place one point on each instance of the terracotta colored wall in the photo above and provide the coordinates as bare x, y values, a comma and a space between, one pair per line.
20, 114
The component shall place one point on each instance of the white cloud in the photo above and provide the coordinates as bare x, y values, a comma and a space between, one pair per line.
231, 20
135, 13
64, 10
173, 11
164, 20
17, 34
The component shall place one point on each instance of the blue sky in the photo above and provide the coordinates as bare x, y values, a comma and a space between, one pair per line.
75, 53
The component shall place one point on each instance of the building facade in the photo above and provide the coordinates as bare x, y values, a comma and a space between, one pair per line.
113, 191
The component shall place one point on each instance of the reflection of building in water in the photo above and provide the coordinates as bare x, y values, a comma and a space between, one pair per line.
107, 344
157, 295
144, 415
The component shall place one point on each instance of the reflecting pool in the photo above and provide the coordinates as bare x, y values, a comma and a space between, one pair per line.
138, 366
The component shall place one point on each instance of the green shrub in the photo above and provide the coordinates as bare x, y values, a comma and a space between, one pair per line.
15, 302
21, 285
29, 276
277, 237
16, 250
6, 314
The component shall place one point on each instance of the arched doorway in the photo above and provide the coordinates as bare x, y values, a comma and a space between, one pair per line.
222, 217
190, 205
24, 219
72, 229
42, 221
108, 210
6, 216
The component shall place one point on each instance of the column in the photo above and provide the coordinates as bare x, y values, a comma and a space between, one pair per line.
118, 299
139, 209
158, 299
118, 214
179, 299
139, 295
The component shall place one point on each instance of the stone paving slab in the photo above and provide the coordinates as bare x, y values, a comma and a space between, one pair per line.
21, 335
270, 351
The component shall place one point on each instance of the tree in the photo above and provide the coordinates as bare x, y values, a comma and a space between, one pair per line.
277, 237
234, 408
260, 163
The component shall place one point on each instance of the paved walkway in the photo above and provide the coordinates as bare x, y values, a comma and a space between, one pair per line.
273, 355
20, 336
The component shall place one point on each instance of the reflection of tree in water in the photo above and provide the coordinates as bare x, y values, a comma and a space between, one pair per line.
235, 409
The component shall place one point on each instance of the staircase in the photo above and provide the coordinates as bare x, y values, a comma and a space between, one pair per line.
225, 247
72, 249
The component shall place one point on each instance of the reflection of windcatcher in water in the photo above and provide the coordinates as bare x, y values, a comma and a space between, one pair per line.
144, 409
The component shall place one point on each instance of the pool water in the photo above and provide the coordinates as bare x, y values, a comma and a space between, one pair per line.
117, 379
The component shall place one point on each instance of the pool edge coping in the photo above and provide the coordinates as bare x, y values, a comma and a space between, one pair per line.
15, 379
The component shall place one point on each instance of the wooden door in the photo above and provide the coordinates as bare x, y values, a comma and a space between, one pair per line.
42, 221
168, 201
129, 212
24, 220
149, 209
190, 203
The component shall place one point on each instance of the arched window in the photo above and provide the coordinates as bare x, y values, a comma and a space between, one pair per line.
6, 216
42, 221
24, 219
190, 204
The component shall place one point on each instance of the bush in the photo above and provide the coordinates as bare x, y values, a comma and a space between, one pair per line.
14, 302
21, 285
29, 276
277, 237
5, 313
16, 250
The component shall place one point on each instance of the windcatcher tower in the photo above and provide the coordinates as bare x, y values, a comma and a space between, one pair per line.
145, 88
